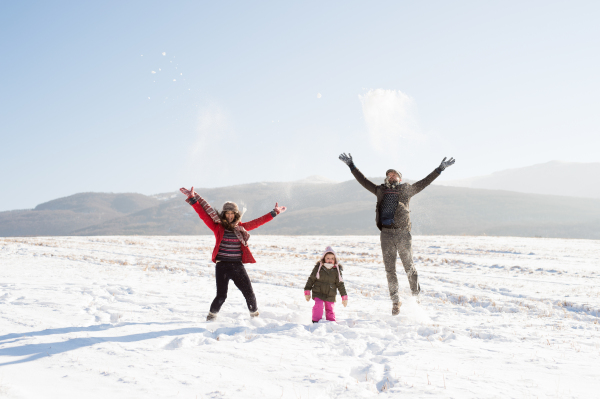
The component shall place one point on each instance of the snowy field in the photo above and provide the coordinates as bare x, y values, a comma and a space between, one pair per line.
124, 317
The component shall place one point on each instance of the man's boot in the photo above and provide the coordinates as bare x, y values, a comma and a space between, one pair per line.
417, 298
211, 316
254, 314
396, 308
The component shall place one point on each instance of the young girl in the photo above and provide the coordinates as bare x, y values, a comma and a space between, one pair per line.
324, 281
231, 247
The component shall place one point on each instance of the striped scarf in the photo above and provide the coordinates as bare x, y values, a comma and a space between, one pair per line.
239, 231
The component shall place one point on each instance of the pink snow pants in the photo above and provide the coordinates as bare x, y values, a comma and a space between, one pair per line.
318, 310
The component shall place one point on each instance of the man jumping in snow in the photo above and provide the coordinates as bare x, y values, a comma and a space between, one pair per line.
393, 219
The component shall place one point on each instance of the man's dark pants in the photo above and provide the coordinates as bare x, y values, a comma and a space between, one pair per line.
396, 242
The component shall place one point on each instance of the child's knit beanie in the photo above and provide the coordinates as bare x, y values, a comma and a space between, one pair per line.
327, 251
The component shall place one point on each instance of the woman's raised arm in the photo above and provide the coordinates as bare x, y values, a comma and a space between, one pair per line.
251, 225
208, 215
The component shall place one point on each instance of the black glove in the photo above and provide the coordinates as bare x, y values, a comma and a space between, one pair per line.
347, 159
445, 164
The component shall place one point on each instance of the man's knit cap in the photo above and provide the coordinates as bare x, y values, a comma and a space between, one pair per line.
395, 171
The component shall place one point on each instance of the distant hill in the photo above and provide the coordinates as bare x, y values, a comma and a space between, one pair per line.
553, 178
315, 208
65, 215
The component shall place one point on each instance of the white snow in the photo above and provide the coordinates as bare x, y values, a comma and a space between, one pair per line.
124, 317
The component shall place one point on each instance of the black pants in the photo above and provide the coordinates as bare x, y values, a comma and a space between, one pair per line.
225, 271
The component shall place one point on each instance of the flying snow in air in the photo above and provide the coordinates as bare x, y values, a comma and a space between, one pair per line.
164, 53
159, 69
174, 80
318, 95
153, 71
391, 118
148, 98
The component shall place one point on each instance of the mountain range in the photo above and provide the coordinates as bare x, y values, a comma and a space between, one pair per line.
316, 206
572, 179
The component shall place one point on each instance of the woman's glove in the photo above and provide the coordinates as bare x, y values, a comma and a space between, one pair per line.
190, 193
279, 209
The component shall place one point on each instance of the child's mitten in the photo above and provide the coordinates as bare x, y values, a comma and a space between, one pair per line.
307, 295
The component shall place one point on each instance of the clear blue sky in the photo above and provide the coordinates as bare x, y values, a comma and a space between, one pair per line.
496, 84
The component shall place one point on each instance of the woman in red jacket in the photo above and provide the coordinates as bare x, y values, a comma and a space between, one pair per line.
231, 249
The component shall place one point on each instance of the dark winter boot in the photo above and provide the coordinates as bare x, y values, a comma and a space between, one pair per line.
315, 321
396, 308
254, 314
211, 316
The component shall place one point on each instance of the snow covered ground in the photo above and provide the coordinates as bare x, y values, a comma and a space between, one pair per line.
124, 317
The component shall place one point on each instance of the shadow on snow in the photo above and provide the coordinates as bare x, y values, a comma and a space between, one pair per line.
36, 351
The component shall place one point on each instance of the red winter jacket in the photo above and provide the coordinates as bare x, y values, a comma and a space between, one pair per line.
219, 230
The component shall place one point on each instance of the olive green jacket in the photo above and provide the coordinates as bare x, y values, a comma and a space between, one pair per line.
327, 285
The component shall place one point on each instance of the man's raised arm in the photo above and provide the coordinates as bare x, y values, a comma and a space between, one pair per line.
421, 184
366, 183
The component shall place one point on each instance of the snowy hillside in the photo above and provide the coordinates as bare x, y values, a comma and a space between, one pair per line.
124, 317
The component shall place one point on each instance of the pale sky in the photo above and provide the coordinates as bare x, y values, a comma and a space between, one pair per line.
151, 96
